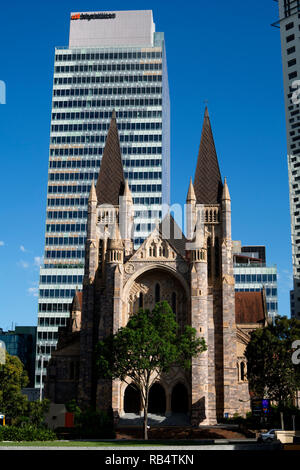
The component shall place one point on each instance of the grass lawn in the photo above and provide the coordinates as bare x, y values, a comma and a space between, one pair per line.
97, 443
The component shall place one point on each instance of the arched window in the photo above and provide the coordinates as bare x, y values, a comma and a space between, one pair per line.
209, 257
217, 257
174, 302
157, 293
141, 300
100, 251
243, 375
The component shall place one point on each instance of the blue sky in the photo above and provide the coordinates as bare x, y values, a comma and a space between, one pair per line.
223, 52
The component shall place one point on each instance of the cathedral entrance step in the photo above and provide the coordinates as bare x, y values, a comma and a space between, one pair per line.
175, 419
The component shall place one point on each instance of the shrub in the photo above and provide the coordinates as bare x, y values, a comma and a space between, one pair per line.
34, 414
25, 433
89, 423
95, 424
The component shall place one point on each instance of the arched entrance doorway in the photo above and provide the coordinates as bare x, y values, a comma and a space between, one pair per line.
157, 399
180, 399
132, 400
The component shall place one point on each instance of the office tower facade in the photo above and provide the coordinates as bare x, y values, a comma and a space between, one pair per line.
289, 23
252, 274
114, 61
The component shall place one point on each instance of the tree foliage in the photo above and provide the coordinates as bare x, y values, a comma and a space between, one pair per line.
271, 371
34, 413
13, 378
13, 403
149, 345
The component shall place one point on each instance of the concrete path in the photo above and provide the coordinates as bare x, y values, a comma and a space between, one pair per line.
176, 419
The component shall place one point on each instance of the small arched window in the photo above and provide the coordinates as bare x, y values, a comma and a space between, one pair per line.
209, 257
174, 302
100, 251
141, 300
217, 257
157, 293
243, 375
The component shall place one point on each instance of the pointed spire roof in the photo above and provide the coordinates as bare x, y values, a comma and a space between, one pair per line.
116, 232
115, 240
191, 196
111, 180
127, 192
77, 301
225, 194
93, 195
207, 183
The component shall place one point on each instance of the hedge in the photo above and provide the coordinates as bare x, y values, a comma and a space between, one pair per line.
26, 433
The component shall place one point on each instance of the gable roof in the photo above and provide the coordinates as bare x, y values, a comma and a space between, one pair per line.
207, 182
111, 182
171, 232
250, 307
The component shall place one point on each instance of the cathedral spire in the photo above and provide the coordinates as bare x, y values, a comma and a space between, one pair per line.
127, 192
207, 183
93, 195
76, 304
111, 182
225, 193
191, 197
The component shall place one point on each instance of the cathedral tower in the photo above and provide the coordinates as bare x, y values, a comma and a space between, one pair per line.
208, 216
194, 275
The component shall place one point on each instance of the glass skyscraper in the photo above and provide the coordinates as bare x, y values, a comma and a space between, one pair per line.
114, 61
289, 24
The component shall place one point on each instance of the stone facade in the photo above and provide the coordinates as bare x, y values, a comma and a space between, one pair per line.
195, 276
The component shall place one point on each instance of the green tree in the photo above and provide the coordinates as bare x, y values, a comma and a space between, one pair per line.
149, 345
36, 411
270, 369
13, 378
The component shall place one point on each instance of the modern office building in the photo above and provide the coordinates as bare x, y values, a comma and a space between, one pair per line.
252, 274
114, 61
289, 24
21, 342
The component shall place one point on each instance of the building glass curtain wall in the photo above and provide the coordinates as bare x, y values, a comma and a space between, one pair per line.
289, 23
114, 61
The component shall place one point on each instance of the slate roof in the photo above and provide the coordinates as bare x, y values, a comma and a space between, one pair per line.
207, 182
111, 181
250, 307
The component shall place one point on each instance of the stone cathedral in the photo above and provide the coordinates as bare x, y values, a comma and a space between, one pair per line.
194, 273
